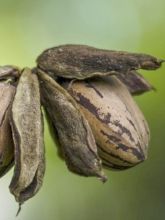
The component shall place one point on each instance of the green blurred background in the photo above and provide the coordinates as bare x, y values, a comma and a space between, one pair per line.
29, 27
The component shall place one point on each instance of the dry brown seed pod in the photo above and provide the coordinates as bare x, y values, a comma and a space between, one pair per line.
81, 61
135, 82
7, 92
36, 184
74, 133
9, 72
119, 127
27, 128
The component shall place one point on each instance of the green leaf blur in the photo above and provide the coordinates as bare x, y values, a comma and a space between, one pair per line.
27, 28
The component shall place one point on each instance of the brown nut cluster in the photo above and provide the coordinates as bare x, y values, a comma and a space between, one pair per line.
87, 95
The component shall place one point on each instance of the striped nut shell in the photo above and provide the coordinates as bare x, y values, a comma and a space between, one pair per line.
119, 127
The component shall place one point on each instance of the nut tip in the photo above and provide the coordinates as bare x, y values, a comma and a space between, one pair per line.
160, 61
102, 177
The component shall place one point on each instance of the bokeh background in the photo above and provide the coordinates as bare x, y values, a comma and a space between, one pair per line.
27, 27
